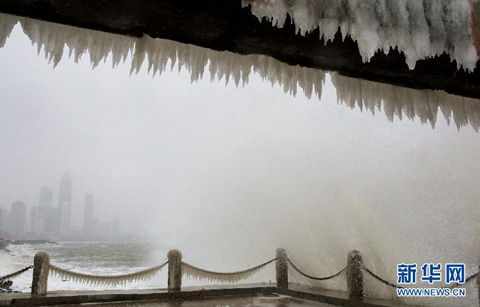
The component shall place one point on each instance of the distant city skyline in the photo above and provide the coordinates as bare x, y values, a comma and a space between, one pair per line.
48, 221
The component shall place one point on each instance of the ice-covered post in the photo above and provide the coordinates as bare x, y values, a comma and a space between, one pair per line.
281, 267
41, 266
478, 284
354, 274
475, 13
174, 270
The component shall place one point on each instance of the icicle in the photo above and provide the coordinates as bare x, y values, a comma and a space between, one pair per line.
420, 29
398, 101
7, 22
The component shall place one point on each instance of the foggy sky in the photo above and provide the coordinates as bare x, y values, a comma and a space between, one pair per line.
200, 164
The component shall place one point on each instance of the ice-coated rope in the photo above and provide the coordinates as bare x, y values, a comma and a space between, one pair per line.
313, 277
105, 279
15, 274
224, 277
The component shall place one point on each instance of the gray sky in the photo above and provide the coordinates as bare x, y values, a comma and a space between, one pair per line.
207, 165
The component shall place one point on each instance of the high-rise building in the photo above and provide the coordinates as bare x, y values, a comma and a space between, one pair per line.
65, 203
53, 223
39, 220
46, 196
88, 218
41, 223
18, 219
3, 219
31, 224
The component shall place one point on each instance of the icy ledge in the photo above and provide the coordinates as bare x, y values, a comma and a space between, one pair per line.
419, 29
53, 39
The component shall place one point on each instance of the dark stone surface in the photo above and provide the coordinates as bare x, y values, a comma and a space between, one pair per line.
41, 263
224, 25
281, 269
355, 274
174, 270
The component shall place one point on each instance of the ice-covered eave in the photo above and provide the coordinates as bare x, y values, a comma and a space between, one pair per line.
224, 25
418, 29
58, 42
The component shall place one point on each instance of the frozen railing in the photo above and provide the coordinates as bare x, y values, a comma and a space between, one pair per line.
176, 269
353, 273
6, 280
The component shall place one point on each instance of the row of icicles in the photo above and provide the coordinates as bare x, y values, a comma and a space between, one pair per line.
395, 101
419, 29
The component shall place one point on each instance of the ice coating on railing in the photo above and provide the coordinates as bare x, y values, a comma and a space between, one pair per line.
15, 274
222, 277
419, 29
157, 54
106, 280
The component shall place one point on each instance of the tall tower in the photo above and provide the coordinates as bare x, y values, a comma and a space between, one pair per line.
65, 203
88, 219
18, 219
46, 196
3, 219
39, 221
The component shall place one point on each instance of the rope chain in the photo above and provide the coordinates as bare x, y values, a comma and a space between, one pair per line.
469, 278
228, 273
312, 277
381, 279
15, 274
